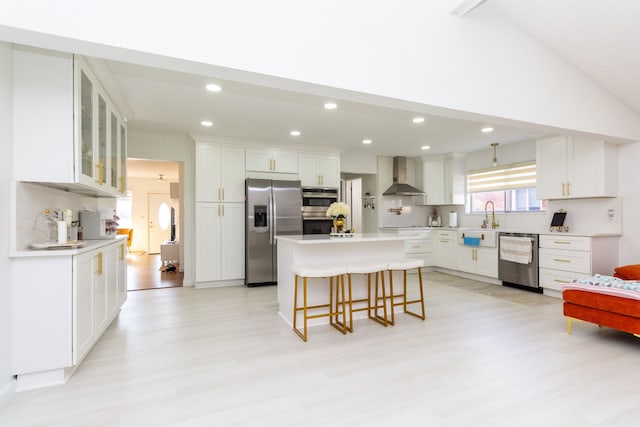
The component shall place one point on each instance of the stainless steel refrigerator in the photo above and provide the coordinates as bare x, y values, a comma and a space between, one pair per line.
272, 208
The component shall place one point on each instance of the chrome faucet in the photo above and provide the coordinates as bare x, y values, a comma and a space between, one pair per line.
494, 224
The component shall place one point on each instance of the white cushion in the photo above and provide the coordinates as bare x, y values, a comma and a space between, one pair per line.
405, 264
319, 270
366, 267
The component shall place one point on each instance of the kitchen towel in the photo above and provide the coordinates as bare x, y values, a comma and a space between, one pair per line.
516, 249
471, 241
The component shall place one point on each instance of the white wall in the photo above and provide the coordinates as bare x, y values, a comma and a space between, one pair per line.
628, 161
409, 54
173, 147
7, 384
358, 162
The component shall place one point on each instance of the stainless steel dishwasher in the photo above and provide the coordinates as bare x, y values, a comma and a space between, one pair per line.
518, 260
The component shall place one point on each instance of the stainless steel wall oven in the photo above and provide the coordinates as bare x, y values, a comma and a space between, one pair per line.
315, 202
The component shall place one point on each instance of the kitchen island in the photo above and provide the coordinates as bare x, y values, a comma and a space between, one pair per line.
316, 250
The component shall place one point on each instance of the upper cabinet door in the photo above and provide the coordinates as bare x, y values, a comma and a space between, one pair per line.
316, 170
570, 167
101, 164
219, 173
86, 115
265, 160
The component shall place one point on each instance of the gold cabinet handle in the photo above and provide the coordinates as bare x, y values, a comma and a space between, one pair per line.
561, 260
568, 188
99, 269
560, 281
274, 165
561, 243
218, 193
563, 189
122, 252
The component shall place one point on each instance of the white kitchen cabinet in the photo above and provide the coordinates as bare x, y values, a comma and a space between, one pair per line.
62, 125
265, 160
569, 167
442, 180
61, 308
219, 242
116, 277
567, 257
84, 329
420, 247
454, 179
219, 173
477, 260
319, 170
444, 241
433, 182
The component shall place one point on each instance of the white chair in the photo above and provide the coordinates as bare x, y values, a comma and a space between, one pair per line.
403, 265
368, 268
319, 272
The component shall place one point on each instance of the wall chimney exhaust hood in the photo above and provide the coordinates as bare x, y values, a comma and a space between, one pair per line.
400, 186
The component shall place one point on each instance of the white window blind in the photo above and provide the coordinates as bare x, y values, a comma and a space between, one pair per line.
521, 175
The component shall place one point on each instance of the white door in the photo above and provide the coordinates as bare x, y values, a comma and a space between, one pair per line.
159, 217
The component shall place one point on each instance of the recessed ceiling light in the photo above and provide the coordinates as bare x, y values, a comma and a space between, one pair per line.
206, 123
418, 120
294, 133
367, 141
330, 105
426, 147
487, 129
213, 87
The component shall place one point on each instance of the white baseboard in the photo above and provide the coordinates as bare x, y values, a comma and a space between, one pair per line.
7, 392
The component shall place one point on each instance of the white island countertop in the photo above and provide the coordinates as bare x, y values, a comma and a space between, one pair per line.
316, 239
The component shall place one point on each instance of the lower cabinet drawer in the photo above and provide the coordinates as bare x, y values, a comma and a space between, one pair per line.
554, 279
574, 261
417, 246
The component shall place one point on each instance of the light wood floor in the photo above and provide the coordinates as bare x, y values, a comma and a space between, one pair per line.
143, 272
219, 357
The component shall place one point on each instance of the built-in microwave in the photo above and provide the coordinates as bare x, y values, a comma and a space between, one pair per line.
315, 202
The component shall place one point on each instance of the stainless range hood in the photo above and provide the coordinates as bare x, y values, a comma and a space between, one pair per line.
400, 186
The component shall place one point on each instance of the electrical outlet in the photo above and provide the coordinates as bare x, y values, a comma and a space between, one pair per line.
610, 214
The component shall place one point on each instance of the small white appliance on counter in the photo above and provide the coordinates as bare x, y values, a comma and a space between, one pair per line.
100, 225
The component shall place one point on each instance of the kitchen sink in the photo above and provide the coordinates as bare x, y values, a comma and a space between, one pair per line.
486, 238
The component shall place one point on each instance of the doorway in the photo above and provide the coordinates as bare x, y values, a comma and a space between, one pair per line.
154, 211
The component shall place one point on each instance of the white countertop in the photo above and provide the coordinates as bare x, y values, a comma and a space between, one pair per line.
89, 245
323, 239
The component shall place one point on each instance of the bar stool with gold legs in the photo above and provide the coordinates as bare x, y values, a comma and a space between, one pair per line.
404, 265
334, 274
379, 299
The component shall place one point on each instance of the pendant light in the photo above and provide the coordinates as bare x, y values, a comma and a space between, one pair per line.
494, 161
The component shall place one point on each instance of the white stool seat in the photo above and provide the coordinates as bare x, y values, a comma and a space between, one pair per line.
405, 264
366, 267
319, 270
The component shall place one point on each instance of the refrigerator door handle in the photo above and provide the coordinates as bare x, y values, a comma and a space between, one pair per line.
271, 221
273, 218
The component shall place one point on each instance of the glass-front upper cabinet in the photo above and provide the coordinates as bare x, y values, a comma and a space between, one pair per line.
86, 124
123, 159
114, 160
75, 144
102, 141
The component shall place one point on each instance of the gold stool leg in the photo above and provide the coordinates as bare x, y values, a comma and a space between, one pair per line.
421, 300
377, 298
301, 334
392, 322
569, 325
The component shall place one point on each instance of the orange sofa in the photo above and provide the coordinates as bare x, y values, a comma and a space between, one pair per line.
605, 305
